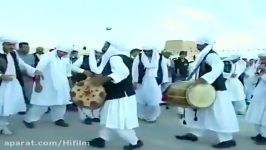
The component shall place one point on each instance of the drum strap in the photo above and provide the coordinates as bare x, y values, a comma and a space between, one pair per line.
195, 116
196, 69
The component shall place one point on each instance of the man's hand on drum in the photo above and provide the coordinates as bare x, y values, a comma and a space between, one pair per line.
99, 80
233, 75
88, 73
135, 85
200, 81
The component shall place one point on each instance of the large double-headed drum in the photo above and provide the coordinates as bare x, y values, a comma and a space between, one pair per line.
86, 95
187, 94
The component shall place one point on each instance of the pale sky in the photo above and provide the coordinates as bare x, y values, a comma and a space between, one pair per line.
234, 24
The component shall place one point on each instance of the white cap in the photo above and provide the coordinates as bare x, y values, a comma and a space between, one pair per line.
8, 39
64, 48
232, 57
205, 40
148, 47
262, 55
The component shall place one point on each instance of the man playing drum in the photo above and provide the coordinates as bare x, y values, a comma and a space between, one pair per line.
219, 117
84, 65
119, 112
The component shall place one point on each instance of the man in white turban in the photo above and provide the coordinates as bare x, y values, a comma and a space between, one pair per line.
54, 90
250, 79
119, 112
11, 82
149, 72
256, 113
220, 117
85, 66
234, 85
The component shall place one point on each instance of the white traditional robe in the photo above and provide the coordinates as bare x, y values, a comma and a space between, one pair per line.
220, 117
11, 94
233, 84
119, 113
256, 113
149, 83
250, 81
56, 90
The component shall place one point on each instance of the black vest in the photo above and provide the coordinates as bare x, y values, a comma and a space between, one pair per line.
86, 66
142, 70
3, 67
36, 59
219, 83
123, 88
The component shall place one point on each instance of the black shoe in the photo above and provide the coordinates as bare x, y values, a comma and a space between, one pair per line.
61, 123
188, 137
87, 121
29, 125
154, 121
96, 120
254, 138
22, 113
225, 144
48, 111
131, 147
98, 143
260, 140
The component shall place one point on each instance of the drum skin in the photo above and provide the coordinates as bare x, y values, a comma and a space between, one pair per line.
86, 95
184, 94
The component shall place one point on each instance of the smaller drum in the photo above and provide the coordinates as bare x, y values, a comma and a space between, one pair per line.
86, 95
185, 95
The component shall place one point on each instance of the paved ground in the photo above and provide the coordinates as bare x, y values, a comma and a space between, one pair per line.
159, 136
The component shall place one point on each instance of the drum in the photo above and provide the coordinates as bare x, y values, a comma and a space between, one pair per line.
185, 95
86, 95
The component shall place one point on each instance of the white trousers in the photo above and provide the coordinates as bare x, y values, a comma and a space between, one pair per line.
240, 106
149, 112
222, 137
85, 113
180, 110
261, 130
36, 112
128, 135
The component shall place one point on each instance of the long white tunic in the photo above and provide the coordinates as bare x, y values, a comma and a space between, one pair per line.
55, 84
250, 80
119, 113
149, 84
11, 95
233, 84
220, 117
257, 109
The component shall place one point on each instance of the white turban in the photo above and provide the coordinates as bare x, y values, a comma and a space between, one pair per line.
205, 40
64, 48
8, 39
232, 57
262, 55
148, 47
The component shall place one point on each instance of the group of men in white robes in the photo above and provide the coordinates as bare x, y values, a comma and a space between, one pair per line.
133, 91
256, 113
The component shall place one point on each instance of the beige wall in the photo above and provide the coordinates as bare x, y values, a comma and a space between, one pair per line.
175, 46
